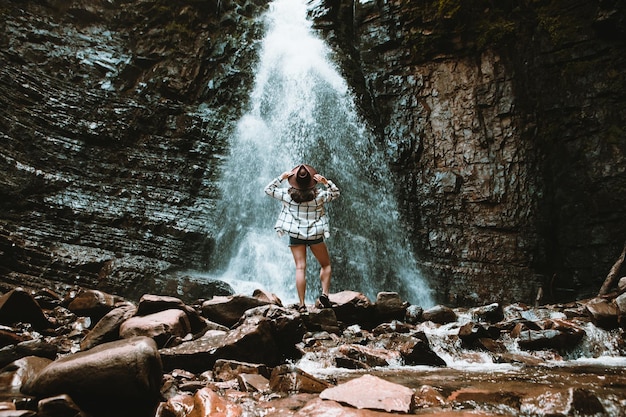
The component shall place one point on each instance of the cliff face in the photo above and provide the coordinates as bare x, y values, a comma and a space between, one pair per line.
504, 126
115, 117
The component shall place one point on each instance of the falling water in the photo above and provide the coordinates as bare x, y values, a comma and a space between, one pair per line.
301, 111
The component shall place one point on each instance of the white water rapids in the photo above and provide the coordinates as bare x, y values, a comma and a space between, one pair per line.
302, 111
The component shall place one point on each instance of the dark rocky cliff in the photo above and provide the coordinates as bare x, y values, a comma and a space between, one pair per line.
504, 125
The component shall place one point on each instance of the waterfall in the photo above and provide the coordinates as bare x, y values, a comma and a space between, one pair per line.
301, 111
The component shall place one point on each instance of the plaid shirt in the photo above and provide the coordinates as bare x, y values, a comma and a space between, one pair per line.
306, 220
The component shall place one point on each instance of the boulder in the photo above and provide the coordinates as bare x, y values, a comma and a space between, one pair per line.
92, 303
371, 392
108, 328
439, 314
287, 378
163, 326
227, 310
115, 378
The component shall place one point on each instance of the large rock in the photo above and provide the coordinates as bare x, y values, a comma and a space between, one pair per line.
371, 392
121, 378
20, 306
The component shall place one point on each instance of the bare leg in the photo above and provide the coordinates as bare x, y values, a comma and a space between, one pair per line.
321, 254
299, 257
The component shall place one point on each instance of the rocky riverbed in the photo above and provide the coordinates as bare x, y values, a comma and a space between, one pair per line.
88, 353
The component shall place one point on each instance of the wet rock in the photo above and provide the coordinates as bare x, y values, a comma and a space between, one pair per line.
439, 314
243, 343
121, 377
227, 310
389, 306
197, 355
323, 408
150, 303
35, 347
471, 332
481, 396
225, 370
287, 325
562, 403
369, 356
108, 328
352, 307
92, 303
204, 402
414, 349
427, 397
20, 306
59, 406
287, 378
603, 313
321, 320
414, 314
373, 393
164, 327
253, 383
491, 313
552, 334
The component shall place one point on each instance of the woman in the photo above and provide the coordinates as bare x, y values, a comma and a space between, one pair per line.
302, 217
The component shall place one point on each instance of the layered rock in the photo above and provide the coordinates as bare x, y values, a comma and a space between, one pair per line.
502, 124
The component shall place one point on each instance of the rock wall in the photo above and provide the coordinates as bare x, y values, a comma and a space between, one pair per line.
115, 118
504, 124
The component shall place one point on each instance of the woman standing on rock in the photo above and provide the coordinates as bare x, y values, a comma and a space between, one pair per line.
303, 218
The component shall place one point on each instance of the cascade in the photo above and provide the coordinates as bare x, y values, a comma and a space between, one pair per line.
302, 111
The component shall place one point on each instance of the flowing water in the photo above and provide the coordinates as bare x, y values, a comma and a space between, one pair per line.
302, 111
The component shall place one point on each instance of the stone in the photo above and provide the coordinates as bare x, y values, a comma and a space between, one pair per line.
427, 397
20, 306
121, 377
60, 405
162, 326
291, 379
197, 355
227, 310
253, 383
224, 369
370, 356
92, 303
603, 313
439, 314
107, 329
34, 347
389, 306
371, 392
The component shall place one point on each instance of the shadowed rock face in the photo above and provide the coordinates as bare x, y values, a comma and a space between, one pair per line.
503, 124
110, 152
503, 128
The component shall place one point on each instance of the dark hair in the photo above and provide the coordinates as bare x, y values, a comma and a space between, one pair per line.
301, 196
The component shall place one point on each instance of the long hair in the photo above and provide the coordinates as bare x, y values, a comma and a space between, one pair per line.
301, 196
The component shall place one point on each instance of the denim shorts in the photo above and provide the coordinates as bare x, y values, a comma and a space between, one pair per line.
294, 241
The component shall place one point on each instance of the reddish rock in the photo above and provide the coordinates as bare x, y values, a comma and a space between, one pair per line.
287, 378
92, 303
162, 326
373, 393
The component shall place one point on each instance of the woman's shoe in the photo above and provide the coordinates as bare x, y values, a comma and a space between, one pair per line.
302, 309
324, 301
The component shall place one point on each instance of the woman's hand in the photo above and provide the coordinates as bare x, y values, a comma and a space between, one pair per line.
320, 178
285, 175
